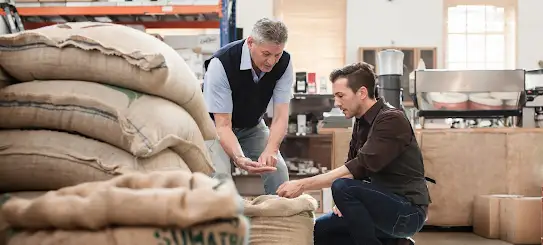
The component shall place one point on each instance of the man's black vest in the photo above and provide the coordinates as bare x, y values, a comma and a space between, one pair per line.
250, 99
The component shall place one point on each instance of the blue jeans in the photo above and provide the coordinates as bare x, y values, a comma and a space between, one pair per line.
371, 215
253, 141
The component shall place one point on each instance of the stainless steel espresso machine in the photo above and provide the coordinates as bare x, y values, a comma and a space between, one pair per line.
468, 98
532, 112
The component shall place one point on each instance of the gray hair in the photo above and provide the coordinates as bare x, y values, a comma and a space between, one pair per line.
267, 30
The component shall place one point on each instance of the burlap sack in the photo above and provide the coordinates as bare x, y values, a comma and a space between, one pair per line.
176, 198
224, 232
106, 53
3, 83
140, 124
5, 80
49, 160
4, 227
276, 220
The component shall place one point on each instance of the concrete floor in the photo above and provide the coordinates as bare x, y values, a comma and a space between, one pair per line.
453, 238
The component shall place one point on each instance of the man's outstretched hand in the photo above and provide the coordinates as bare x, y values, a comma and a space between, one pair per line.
291, 189
268, 158
253, 167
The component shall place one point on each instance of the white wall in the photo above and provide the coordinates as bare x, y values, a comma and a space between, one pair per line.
375, 23
411, 23
530, 33
249, 11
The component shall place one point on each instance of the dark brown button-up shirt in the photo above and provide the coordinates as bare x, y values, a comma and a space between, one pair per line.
384, 150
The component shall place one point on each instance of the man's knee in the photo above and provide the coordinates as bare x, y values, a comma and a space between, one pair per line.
320, 224
281, 165
219, 158
328, 223
345, 188
341, 186
273, 180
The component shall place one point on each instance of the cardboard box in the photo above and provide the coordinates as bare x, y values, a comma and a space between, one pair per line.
194, 49
520, 220
327, 200
318, 196
486, 215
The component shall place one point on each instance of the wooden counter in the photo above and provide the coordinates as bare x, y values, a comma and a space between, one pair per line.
470, 162
465, 163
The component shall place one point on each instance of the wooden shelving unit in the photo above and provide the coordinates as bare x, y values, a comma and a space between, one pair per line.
149, 14
412, 55
198, 14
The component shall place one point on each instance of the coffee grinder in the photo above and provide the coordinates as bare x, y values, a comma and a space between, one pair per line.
389, 81
532, 111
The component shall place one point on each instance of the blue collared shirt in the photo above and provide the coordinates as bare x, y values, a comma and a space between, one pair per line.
217, 92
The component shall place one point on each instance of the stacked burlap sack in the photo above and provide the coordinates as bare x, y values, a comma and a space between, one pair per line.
89, 101
281, 221
175, 207
4, 227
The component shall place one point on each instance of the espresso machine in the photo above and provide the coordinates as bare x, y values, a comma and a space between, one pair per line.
468, 98
532, 112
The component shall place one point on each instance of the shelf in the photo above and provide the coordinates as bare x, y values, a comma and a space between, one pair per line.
112, 8
150, 14
305, 96
468, 114
293, 136
29, 25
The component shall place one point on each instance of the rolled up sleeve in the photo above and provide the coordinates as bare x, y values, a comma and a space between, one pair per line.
283, 89
217, 92
356, 171
390, 137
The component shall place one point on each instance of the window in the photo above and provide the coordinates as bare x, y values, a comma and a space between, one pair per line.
479, 37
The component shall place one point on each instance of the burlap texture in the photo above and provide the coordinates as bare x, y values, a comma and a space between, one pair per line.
4, 227
223, 232
3, 83
38, 160
276, 220
106, 53
164, 199
140, 124
5, 80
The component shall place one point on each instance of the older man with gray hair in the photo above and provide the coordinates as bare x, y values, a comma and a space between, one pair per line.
241, 79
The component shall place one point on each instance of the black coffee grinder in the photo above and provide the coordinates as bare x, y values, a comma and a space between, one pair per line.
389, 80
